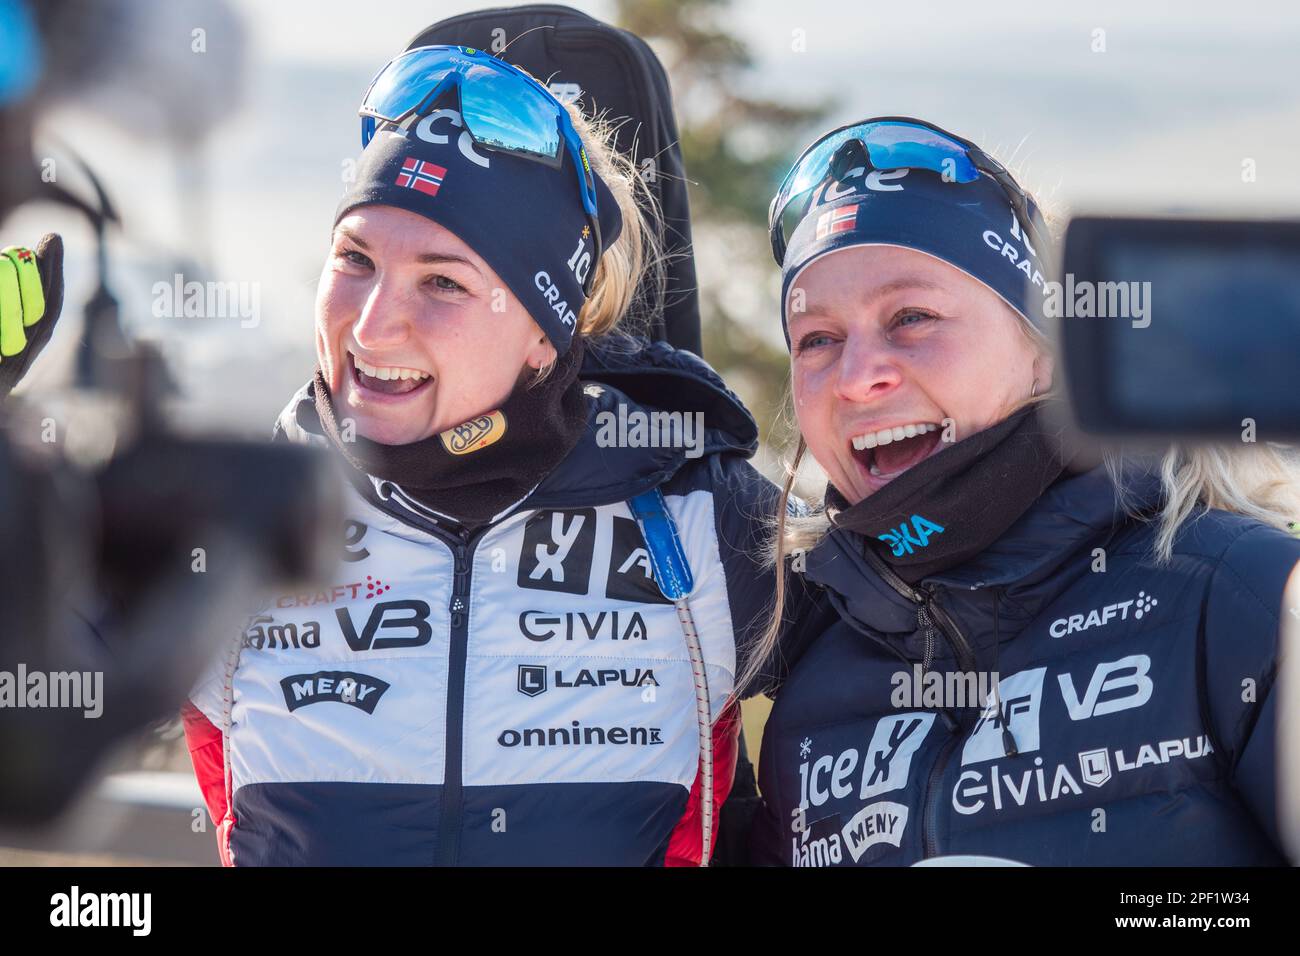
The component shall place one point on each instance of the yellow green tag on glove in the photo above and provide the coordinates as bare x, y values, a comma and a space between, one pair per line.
22, 299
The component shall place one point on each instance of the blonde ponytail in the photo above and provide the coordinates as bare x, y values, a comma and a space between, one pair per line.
637, 254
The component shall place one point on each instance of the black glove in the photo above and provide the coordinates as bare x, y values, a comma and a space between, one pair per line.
31, 298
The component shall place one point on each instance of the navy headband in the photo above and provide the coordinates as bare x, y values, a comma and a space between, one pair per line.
968, 225
524, 217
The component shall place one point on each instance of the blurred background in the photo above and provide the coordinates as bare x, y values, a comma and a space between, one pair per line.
226, 131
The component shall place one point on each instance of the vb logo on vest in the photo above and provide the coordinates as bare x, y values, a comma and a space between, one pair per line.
905, 540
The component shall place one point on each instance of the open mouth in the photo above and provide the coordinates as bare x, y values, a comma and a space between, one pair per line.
887, 453
386, 379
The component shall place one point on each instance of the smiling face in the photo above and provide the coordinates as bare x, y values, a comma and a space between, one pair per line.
889, 344
415, 333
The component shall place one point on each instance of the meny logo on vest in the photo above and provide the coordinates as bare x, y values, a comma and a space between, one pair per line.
823, 842
344, 687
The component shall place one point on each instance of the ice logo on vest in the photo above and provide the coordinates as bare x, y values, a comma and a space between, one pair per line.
883, 766
904, 540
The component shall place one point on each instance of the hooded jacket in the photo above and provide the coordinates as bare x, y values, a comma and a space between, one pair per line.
1134, 722
517, 695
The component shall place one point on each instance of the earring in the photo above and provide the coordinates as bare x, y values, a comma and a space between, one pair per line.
1033, 392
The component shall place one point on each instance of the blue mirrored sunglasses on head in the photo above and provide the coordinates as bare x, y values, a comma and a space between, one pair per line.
503, 109
885, 142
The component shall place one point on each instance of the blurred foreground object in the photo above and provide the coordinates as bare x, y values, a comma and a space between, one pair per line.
31, 300
1181, 328
1288, 682
120, 574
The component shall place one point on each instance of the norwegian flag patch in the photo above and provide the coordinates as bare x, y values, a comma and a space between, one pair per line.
843, 219
418, 174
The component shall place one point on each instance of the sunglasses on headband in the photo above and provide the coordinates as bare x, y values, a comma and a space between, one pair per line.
886, 142
503, 109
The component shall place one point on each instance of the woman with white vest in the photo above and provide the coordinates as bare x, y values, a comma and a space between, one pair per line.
550, 573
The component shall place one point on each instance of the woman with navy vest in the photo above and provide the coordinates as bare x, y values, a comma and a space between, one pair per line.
1031, 659
549, 574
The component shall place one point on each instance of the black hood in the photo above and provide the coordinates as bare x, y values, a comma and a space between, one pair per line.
1030, 564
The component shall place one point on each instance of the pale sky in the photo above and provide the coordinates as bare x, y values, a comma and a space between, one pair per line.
1163, 119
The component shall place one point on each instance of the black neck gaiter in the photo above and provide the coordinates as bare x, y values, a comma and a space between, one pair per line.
473, 472
958, 502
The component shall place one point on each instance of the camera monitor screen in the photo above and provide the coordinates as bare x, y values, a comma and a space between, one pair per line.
1178, 327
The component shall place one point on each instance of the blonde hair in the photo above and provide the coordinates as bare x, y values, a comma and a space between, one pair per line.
1261, 482
635, 261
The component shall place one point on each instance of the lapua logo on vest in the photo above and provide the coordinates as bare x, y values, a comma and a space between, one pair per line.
557, 549
130, 910
344, 687
631, 574
534, 679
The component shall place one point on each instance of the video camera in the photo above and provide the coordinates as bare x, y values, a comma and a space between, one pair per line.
1189, 329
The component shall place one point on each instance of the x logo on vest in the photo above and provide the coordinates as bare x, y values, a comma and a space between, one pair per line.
557, 549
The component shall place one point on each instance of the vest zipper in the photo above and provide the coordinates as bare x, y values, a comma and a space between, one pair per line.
930, 611
453, 768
